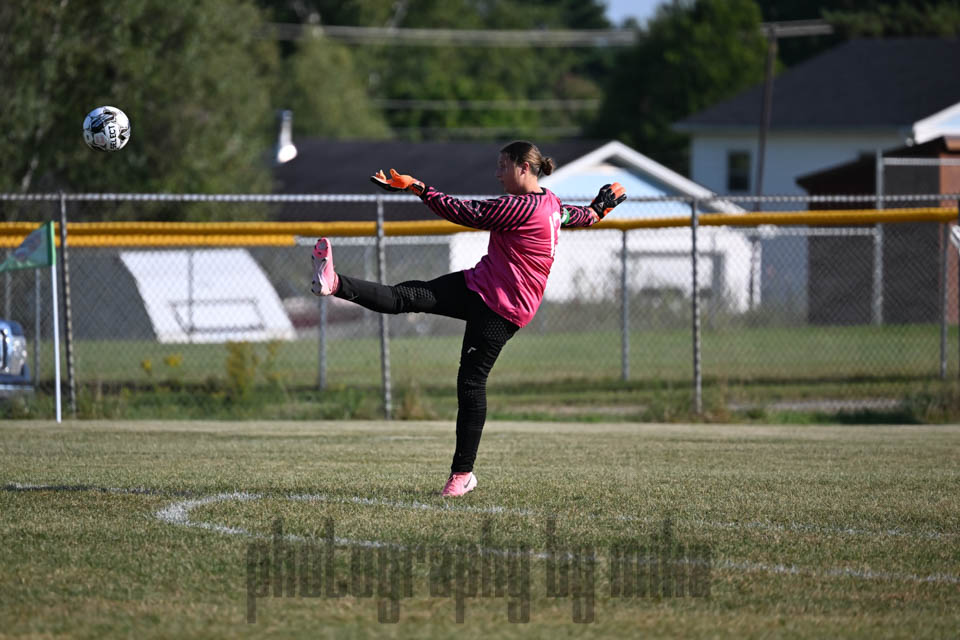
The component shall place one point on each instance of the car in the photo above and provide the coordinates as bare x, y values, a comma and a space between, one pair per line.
14, 371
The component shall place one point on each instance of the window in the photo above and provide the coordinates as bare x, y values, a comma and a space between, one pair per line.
738, 171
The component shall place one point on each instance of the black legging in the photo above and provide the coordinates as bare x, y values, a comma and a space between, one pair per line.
485, 334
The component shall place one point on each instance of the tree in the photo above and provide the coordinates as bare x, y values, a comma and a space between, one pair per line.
691, 55
467, 74
859, 19
193, 75
456, 75
874, 18
325, 91
897, 19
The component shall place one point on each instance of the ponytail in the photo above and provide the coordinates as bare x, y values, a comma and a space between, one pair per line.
521, 151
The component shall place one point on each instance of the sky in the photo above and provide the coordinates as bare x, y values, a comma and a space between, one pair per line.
619, 10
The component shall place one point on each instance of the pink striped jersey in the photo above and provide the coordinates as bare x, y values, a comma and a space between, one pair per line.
523, 239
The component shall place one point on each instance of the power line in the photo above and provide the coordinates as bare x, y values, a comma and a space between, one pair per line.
797, 28
489, 105
502, 38
458, 37
486, 132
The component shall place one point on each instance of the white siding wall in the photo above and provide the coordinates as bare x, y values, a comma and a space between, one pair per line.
787, 157
783, 265
585, 261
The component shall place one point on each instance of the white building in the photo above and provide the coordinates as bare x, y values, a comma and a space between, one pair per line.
847, 103
587, 264
859, 97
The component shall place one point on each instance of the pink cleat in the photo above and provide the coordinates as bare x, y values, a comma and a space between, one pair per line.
325, 279
459, 484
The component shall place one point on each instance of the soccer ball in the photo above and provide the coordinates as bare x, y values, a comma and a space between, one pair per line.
106, 129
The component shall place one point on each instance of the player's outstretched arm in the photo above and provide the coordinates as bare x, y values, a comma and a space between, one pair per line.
398, 182
479, 214
610, 196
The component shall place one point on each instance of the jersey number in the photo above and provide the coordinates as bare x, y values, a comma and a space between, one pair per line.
554, 232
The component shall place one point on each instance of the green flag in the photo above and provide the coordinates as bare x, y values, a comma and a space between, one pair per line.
37, 250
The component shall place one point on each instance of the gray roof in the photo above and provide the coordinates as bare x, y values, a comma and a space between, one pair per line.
862, 84
345, 167
338, 166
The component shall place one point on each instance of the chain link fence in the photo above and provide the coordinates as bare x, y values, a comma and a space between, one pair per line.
849, 317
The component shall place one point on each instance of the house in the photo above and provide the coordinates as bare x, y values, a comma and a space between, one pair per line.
850, 101
854, 99
841, 284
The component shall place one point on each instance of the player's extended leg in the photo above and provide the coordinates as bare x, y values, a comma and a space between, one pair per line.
447, 295
485, 335
443, 296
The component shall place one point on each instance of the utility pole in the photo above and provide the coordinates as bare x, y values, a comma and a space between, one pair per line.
773, 31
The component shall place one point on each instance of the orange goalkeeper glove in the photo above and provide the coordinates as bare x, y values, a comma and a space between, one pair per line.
398, 182
610, 196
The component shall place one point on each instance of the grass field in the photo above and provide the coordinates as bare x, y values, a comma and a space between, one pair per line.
748, 375
169, 529
799, 353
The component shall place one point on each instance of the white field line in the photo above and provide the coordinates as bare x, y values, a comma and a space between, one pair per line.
802, 527
422, 506
836, 572
704, 524
178, 513
183, 508
799, 527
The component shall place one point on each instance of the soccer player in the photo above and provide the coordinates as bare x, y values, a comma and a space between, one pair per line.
498, 296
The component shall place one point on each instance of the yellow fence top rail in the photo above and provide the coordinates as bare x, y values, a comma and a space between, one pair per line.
163, 234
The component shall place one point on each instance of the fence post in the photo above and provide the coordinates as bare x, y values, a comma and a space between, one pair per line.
67, 318
7, 288
384, 325
190, 295
878, 248
695, 301
944, 258
36, 327
624, 311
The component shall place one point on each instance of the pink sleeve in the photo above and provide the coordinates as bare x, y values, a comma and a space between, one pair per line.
577, 216
503, 213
